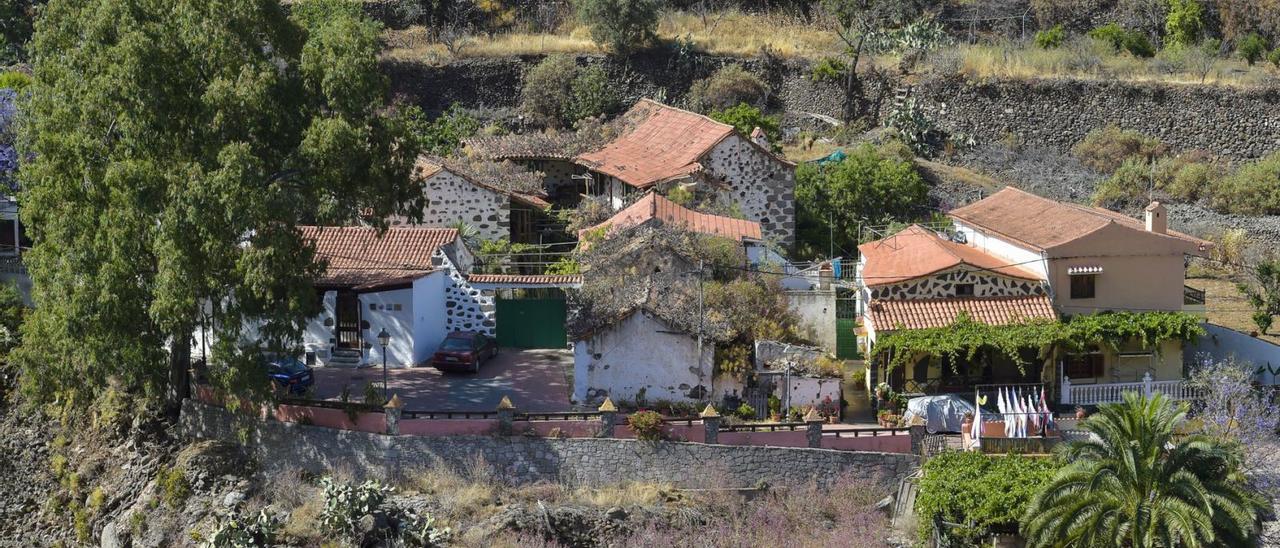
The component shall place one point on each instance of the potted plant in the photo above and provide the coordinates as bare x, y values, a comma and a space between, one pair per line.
883, 418
828, 409
966, 424
1080, 414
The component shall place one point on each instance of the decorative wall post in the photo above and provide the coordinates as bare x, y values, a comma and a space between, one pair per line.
392, 411
506, 416
813, 428
608, 418
1066, 391
710, 425
1146, 384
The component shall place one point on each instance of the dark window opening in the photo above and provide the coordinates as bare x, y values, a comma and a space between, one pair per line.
1084, 286
964, 290
1081, 366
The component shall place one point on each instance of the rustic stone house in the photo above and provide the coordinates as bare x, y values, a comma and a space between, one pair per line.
657, 147
498, 201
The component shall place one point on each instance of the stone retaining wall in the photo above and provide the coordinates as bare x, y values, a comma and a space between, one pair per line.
524, 459
1233, 122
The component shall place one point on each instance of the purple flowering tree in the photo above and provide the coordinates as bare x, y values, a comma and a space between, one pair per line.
1235, 410
8, 153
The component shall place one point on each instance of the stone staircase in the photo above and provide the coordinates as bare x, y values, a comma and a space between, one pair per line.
346, 357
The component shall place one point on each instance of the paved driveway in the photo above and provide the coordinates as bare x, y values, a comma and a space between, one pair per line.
535, 380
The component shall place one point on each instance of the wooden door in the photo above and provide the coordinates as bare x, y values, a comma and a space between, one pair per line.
348, 312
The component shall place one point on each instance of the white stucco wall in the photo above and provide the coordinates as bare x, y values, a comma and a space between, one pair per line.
760, 183
1026, 258
817, 313
429, 327
451, 198
639, 352
318, 335
809, 391
380, 310
1222, 344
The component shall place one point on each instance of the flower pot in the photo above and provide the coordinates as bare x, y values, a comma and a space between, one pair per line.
1080, 414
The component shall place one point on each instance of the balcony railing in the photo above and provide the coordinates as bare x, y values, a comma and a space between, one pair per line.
1113, 392
1192, 296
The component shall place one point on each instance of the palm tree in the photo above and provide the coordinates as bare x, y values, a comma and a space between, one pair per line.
1132, 484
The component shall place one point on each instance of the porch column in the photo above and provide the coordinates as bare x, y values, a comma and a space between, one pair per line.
710, 425
608, 418
813, 428
506, 416
1146, 384
1066, 391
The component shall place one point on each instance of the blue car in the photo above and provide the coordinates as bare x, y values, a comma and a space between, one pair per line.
291, 374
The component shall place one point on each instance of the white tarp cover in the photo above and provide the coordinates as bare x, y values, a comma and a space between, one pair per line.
940, 413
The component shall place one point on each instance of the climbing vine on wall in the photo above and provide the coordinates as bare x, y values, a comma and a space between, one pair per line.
965, 337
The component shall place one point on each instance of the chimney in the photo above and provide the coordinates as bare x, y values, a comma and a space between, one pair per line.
757, 137
1157, 218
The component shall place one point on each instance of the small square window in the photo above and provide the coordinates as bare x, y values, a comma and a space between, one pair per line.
373, 306
964, 290
396, 307
1083, 286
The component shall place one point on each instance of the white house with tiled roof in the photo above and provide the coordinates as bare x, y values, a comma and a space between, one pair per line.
410, 281
1014, 257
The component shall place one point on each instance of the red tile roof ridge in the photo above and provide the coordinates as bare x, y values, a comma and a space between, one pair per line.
657, 206
903, 267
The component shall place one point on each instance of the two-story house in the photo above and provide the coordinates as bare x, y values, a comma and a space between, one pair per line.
1014, 257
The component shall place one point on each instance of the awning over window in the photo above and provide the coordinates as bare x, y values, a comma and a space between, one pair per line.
1083, 270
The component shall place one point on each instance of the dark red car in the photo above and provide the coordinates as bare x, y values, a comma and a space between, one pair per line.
464, 351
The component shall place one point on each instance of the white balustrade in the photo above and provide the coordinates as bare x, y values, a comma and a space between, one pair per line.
1113, 392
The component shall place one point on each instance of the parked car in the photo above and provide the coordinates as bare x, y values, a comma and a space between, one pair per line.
291, 375
464, 351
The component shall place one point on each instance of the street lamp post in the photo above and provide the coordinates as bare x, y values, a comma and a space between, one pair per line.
384, 338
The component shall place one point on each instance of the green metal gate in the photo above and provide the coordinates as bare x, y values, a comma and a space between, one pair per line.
846, 323
531, 323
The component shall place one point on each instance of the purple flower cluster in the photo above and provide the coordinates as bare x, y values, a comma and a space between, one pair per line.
8, 152
1233, 408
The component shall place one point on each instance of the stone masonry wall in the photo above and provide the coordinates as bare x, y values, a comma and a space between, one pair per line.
942, 286
762, 185
522, 459
1233, 122
465, 307
451, 198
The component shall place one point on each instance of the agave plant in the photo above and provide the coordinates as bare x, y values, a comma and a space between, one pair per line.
1133, 483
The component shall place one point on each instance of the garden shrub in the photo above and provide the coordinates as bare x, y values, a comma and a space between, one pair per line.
745, 412
980, 491
620, 25
647, 425
829, 69
591, 95
1131, 183
548, 90
1252, 48
1051, 38
745, 118
442, 135
1107, 148
14, 80
1254, 189
1120, 39
729, 86
1185, 22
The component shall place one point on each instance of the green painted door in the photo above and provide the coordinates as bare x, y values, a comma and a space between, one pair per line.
531, 323
846, 322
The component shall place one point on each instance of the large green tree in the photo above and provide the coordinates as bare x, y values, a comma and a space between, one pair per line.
869, 187
176, 146
1133, 484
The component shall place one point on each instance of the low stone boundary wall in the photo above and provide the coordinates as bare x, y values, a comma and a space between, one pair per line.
525, 459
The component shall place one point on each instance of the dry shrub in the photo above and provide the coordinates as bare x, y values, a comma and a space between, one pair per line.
1108, 148
727, 87
289, 489
625, 495
465, 492
304, 520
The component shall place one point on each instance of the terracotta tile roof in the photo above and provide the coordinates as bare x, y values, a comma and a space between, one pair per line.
533, 146
654, 206
916, 252
356, 257
526, 279
1043, 223
889, 315
663, 143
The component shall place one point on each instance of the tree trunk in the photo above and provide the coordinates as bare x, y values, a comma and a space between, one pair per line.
179, 370
852, 84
